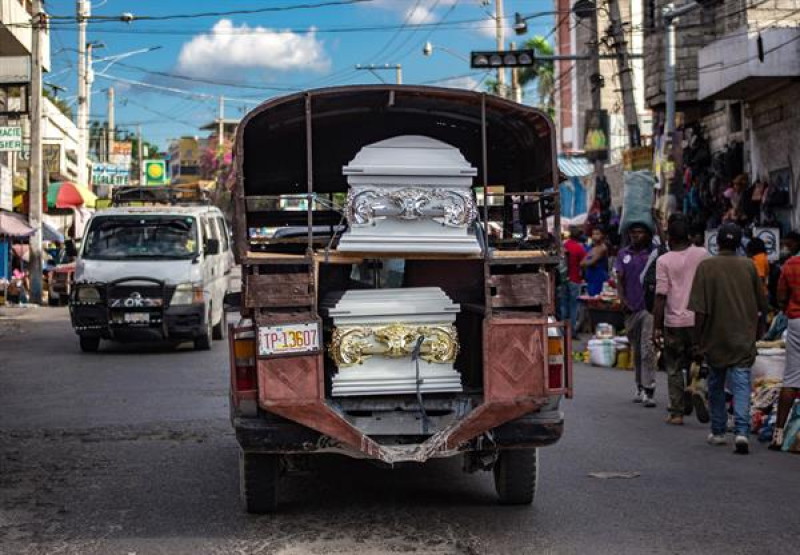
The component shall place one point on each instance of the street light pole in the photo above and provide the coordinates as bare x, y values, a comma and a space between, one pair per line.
84, 10
35, 193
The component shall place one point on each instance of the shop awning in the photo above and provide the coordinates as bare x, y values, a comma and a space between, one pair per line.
66, 194
14, 225
574, 166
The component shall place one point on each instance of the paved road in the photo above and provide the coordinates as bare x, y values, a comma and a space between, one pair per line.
129, 451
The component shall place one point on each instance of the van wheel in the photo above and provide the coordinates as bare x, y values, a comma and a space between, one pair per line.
220, 330
89, 344
515, 476
203, 342
258, 482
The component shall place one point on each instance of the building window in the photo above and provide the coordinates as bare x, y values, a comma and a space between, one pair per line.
735, 117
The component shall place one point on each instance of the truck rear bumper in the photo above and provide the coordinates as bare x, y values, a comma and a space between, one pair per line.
274, 434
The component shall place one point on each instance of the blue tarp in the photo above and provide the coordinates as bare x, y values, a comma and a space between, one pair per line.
573, 198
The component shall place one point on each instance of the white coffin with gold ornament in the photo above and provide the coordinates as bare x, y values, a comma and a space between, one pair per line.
375, 333
410, 194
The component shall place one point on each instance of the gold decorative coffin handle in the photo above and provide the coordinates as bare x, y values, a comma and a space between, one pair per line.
353, 345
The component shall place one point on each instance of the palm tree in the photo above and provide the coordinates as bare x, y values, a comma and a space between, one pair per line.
543, 73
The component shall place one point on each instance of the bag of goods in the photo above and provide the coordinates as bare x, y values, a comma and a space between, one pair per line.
637, 199
791, 431
768, 367
602, 352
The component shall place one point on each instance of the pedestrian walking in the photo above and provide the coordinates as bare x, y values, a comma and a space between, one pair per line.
729, 306
574, 252
756, 250
630, 267
789, 301
595, 264
673, 322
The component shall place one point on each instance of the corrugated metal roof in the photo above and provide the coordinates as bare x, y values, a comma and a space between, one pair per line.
574, 166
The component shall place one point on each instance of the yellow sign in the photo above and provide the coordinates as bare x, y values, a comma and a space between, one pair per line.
155, 172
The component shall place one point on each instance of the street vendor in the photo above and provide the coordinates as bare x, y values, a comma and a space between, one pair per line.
789, 300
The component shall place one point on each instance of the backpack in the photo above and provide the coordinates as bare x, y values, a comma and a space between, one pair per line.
649, 278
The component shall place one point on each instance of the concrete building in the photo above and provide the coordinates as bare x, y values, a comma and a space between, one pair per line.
15, 70
184, 160
737, 65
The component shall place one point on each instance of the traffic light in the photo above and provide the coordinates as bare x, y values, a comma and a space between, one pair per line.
509, 58
155, 172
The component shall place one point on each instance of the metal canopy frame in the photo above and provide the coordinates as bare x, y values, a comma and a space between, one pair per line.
527, 130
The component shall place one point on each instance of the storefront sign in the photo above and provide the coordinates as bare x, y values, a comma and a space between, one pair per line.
121, 153
155, 172
10, 139
110, 174
51, 158
595, 139
772, 241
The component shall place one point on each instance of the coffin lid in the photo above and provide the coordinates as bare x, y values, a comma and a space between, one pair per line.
410, 155
386, 303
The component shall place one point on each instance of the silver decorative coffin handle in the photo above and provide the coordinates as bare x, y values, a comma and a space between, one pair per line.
445, 206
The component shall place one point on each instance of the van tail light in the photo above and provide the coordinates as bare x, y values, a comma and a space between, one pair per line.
244, 378
559, 359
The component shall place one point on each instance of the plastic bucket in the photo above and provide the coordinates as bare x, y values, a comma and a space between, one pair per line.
602, 352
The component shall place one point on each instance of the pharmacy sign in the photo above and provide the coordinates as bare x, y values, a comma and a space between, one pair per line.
10, 139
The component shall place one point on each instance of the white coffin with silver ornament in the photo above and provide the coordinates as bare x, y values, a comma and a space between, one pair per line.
375, 333
410, 194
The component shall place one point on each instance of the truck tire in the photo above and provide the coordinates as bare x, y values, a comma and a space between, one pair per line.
258, 481
220, 330
203, 342
89, 344
515, 476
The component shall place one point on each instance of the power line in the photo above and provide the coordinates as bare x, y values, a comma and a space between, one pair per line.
117, 18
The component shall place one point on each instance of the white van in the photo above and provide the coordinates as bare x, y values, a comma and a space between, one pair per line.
152, 272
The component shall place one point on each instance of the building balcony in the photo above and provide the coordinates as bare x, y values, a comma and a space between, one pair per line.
15, 31
730, 69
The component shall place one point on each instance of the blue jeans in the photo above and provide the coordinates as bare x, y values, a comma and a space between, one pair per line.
739, 383
569, 303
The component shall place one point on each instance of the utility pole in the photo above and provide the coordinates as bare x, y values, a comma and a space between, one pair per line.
84, 10
373, 68
221, 127
111, 126
596, 80
516, 90
671, 13
36, 170
499, 17
139, 154
626, 75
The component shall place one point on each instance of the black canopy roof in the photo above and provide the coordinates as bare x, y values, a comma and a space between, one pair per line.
271, 139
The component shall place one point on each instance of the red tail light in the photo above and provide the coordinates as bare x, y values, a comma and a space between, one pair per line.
243, 355
559, 360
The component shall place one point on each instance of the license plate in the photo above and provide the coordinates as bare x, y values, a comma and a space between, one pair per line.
288, 338
136, 318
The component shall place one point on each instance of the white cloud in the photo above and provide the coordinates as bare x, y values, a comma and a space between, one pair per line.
468, 83
419, 14
231, 48
488, 29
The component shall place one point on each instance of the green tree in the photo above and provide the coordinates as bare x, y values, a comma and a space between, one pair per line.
543, 74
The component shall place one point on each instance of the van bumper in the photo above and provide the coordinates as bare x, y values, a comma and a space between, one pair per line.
174, 323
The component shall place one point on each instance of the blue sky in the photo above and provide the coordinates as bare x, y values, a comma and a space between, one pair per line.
251, 57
